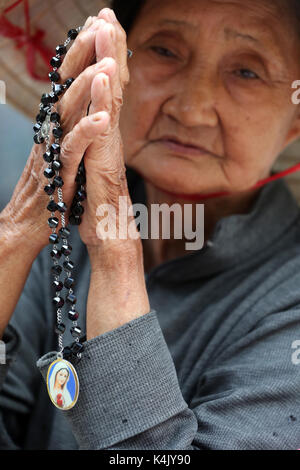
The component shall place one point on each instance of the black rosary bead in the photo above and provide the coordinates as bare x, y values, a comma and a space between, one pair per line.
52, 206
74, 220
67, 353
47, 108
60, 328
58, 181
53, 97
41, 116
72, 34
57, 165
66, 250
49, 173
64, 232
53, 222
80, 178
68, 265
80, 195
49, 189
55, 117
54, 238
77, 209
56, 270
62, 207
68, 283
48, 156
69, 82
71, 299
58, 89
72, 315
55, 149
57, 132
75, 331
55, 62
55, 253
61, 49
54, 76
46, 99
58, 285
58, 302
38, 139
37, 127
77, 347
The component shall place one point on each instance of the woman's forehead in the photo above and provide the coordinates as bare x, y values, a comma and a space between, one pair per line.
190, 13
268, 24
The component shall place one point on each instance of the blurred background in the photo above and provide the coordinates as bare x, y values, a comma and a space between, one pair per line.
15, 144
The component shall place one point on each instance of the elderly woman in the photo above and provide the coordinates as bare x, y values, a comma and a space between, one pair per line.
184, 349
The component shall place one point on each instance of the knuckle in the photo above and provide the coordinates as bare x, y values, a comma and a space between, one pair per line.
118, 100
125, 76
83, 129
66, 149
107, 62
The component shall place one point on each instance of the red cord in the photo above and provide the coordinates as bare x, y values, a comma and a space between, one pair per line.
23, 37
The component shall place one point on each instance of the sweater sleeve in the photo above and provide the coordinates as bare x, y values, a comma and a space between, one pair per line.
130, 398
24, 340
10, 344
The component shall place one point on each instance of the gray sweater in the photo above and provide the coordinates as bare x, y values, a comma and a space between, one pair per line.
211, 366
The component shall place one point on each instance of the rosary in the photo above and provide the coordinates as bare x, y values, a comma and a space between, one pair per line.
62, 378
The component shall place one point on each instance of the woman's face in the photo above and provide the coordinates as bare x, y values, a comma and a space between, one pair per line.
61, 377
216, 74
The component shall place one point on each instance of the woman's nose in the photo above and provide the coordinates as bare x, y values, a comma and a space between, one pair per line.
193, 102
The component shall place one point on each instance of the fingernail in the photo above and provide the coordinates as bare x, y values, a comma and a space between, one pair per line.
105, 80
109, 13
88, 22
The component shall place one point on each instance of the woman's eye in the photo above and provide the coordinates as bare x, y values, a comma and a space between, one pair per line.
246, 74
163, 51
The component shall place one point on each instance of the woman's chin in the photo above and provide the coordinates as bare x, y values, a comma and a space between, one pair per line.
178, 174
178, 181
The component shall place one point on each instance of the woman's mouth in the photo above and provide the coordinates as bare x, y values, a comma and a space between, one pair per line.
183, 149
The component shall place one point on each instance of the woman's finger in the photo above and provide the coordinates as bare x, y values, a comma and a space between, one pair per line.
105, 156
107, 31
101, 98
76, 142
120, 43
74, 103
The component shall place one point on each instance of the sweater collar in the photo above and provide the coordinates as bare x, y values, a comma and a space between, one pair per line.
236, 238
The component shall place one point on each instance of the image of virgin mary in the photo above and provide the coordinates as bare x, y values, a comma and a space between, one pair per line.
58, 378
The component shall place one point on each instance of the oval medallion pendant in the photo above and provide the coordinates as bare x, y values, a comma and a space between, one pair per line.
62, 384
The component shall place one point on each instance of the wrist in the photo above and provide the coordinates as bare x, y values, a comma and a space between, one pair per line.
117, 255
118, 292
17, 238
